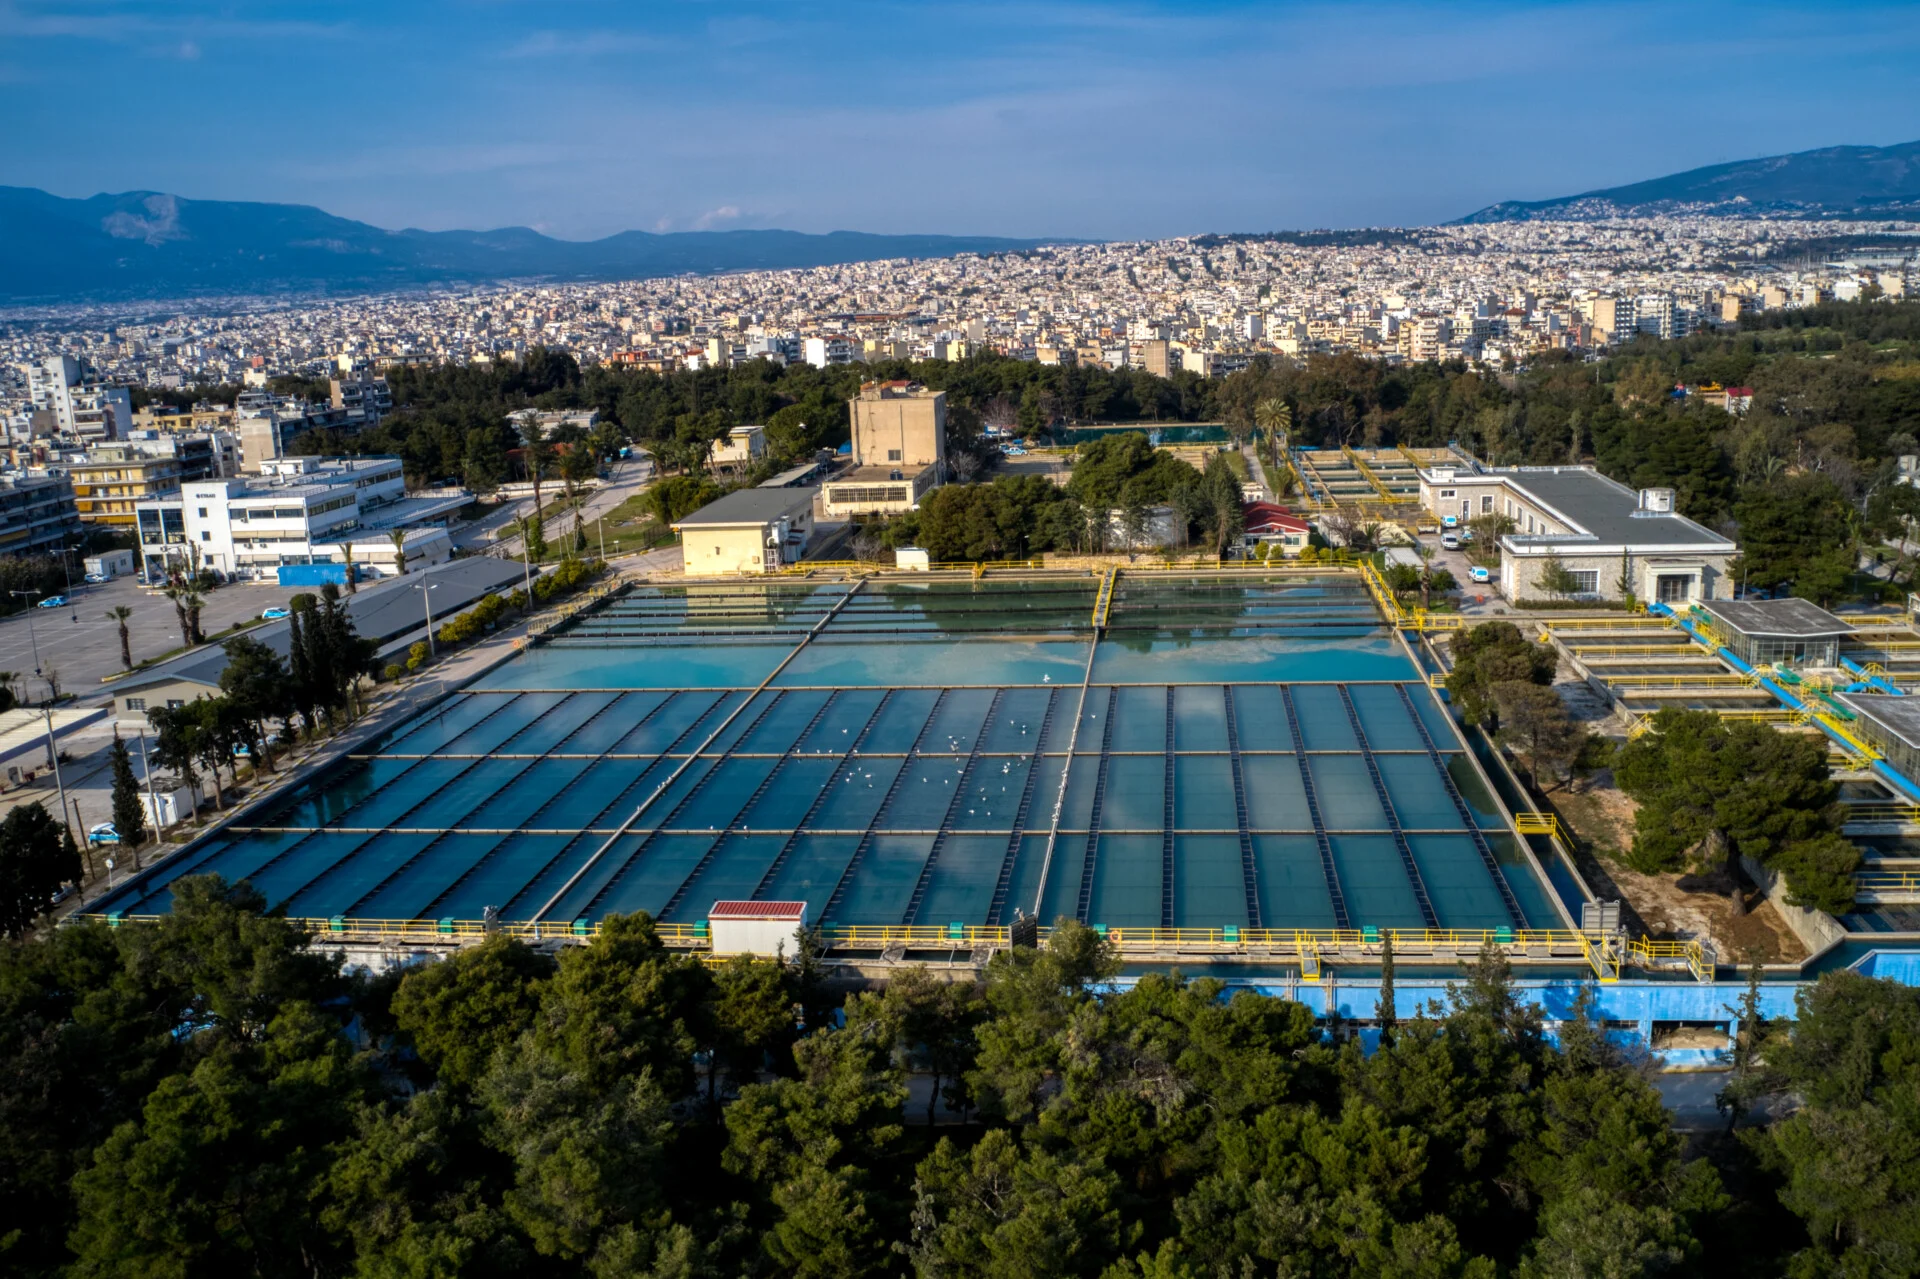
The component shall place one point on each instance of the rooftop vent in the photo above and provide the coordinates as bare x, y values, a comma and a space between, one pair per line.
1655, 502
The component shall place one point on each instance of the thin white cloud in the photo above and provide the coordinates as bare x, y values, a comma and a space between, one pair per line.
583, 44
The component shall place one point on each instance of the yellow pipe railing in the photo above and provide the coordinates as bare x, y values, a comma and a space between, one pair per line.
1366, 473
1624, 622
1886, 881
1602, 952
1881, 813
1103, 602
1614, 678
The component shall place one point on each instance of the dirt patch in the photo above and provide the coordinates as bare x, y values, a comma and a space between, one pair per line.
1689, 1037
1667, 907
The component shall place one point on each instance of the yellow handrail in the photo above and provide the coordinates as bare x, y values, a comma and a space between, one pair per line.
1881, 813
1623, 622
1103, 602
1613, 678
1536, 823
1450, 945
1366, 473
1886, 881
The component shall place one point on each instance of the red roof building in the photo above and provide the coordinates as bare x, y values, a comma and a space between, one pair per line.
1274, 526
1271, 519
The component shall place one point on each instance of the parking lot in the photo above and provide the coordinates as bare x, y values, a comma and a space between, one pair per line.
82, 644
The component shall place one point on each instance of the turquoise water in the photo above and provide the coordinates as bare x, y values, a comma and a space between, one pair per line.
930, 755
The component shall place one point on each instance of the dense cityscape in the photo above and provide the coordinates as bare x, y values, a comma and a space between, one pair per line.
1494, 292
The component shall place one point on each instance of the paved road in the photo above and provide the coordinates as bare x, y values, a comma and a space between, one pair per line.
83, 645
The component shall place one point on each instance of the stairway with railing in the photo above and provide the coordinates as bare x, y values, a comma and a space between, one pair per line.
960, 791
1467, 818
1091, 861
878, 821
1003, 883
1249, 866
1335, 896
1400, 844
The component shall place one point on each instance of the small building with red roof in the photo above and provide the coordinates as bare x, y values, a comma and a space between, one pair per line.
1274, 525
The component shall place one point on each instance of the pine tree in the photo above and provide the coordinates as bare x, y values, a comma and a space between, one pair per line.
129, 820
300, 669
1383, 1011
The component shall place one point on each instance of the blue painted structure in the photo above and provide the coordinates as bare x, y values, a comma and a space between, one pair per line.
1880, 768
316, 574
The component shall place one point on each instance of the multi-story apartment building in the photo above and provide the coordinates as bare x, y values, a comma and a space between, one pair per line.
36, 513
299, 510
111, 481
823, 351
83, 410
360, 393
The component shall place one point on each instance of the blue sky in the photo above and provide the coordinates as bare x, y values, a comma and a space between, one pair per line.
1097, 120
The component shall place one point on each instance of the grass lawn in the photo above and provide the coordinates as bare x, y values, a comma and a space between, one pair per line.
630, 526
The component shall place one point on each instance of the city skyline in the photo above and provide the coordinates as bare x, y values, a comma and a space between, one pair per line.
1093, 121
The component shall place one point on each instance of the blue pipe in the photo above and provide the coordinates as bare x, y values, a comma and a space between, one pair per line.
1879, 767
1895, 780
1877, 682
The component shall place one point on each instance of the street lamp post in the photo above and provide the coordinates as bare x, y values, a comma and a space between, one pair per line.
426, 598
526, 562
34, 639
52, 761
67, 568
153, 801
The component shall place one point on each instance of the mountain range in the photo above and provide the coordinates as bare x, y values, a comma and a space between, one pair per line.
1832, 182
147, 244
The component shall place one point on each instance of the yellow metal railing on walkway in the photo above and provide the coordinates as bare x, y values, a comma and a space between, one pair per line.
1644, 952
1885, 882
1103, 602
1616, 678
1366, 473
1536, 823
1881, 813
1312, 947
1621, 622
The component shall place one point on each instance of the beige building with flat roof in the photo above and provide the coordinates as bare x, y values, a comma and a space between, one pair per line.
899, 451
756, 530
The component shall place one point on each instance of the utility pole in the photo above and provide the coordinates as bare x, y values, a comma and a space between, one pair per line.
152, 800
67, 568
54, 759
35, 641
426, 597
526, 564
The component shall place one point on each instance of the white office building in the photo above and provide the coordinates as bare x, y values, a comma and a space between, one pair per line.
301, 510
83, 410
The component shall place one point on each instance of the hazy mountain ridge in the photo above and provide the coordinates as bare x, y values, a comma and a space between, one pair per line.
151, 244
1876, 182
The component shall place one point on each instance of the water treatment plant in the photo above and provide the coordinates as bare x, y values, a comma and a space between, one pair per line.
1246, 772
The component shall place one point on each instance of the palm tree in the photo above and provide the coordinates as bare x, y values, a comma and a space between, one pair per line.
119, 613
178, 595
539, 453
193, 601
399, 539
353, 585
1274, 416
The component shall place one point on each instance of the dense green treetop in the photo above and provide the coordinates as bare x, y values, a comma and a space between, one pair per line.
206, 1094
